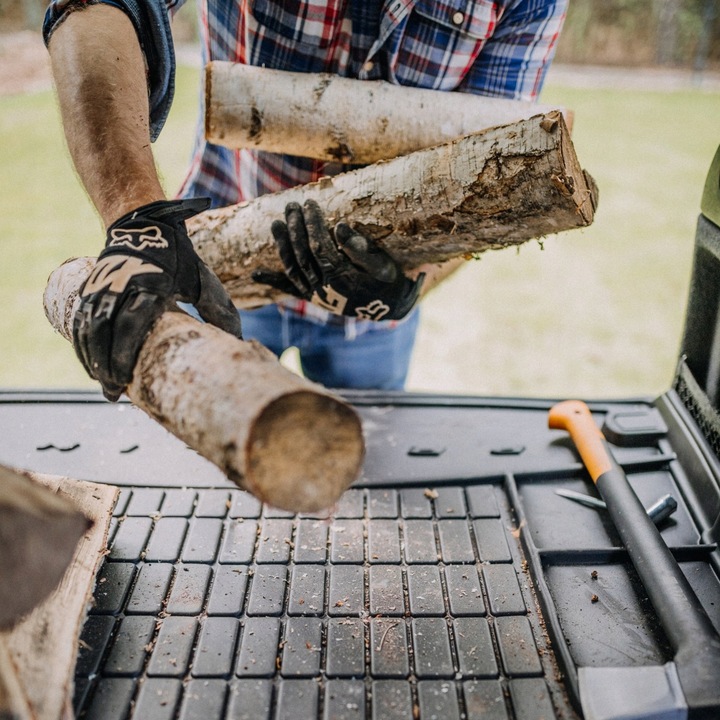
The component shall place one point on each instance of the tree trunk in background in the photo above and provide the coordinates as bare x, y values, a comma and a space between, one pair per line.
668, 15
710, 14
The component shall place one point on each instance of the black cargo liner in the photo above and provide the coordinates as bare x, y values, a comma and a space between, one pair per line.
575, 596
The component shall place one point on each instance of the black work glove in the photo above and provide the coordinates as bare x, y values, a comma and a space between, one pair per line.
349, 275
147, 265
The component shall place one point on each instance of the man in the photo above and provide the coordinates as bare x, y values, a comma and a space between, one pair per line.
113, 67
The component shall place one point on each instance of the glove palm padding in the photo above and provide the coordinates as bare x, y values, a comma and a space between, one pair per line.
349, 275
148, 264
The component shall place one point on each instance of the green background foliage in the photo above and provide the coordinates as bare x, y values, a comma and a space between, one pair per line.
682, 33
622, 32
596, 312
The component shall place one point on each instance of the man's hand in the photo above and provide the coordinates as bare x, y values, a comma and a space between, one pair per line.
349, 275
148, 264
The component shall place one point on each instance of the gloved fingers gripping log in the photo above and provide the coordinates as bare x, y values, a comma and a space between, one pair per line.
426, 208
493, 189
285, 439
348, 275
148, 264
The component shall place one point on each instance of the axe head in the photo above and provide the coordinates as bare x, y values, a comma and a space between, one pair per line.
650, 692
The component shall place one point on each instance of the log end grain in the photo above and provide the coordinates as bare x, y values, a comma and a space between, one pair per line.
39, 532
39, 557
42, 649
304, 451
289, 441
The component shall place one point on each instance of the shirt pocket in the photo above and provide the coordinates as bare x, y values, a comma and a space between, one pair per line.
301, 23
441, 41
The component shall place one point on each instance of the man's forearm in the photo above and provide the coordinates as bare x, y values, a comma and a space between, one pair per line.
99, 74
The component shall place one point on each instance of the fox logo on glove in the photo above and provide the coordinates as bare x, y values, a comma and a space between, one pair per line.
375, 310
138, 238
330, 300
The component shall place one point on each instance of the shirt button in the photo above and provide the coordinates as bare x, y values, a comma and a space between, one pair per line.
458, 18
368, 66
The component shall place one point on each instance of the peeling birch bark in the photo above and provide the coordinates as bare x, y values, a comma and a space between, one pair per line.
486, 191
288, 441
316, 115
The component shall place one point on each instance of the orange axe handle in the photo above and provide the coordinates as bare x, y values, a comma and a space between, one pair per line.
686, 623
574, 416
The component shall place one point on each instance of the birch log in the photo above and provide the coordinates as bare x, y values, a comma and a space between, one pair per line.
288, 441
332, 118
39, 531
486, 191
43, 647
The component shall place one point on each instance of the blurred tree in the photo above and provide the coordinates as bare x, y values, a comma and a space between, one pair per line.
685, 33
709, 21
33, 12
668, 18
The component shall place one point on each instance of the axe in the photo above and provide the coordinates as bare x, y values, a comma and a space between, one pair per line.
689, 685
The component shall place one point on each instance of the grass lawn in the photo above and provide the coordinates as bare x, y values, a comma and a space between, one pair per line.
45, 218
596, 312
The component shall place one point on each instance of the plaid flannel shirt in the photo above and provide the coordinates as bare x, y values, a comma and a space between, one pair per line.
499, 49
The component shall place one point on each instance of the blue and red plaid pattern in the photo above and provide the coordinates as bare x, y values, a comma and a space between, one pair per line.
499, 49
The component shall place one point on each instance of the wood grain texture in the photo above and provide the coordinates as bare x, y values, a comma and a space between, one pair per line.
39, 532
13, 701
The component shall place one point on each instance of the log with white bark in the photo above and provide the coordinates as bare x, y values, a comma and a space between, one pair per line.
332, 118
288, 441
494, 189
39, 532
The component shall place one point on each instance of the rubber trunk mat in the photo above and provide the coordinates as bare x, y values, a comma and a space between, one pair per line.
451, 581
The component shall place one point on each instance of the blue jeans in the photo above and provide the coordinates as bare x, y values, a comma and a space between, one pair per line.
377, 358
